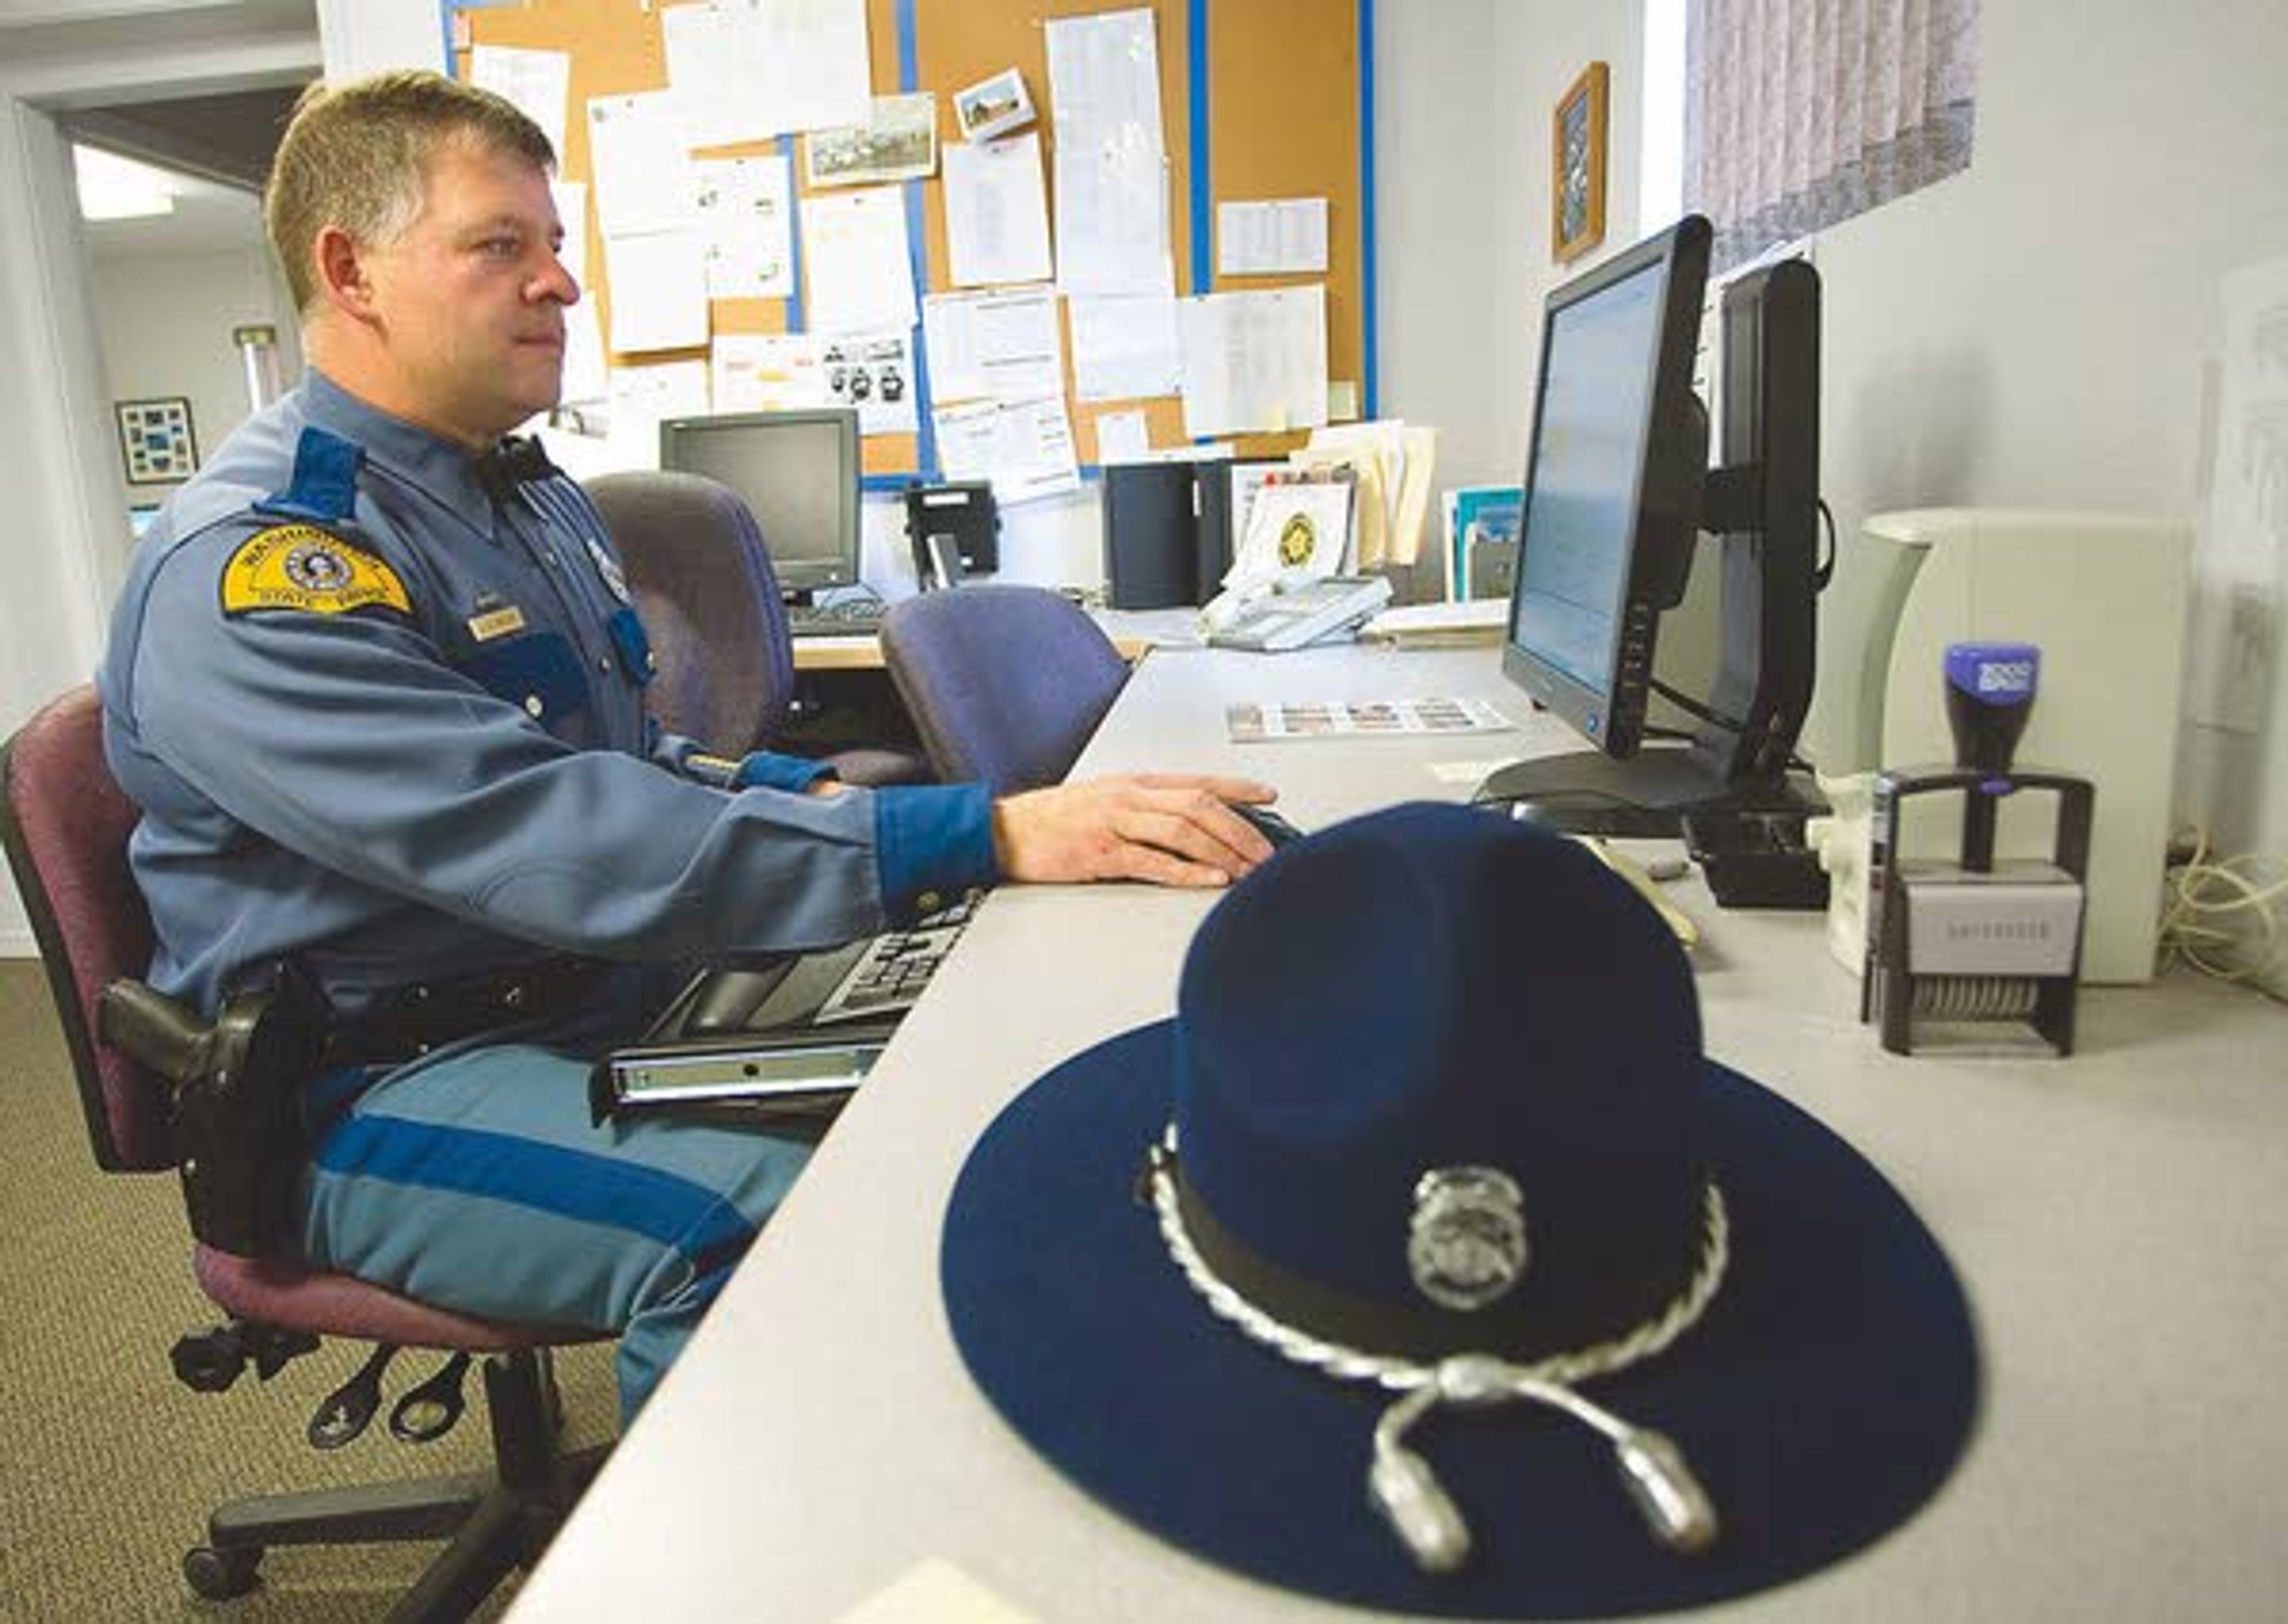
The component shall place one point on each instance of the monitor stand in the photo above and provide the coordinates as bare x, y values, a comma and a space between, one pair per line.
1644, 796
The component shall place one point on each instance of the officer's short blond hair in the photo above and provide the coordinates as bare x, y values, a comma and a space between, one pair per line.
356, 156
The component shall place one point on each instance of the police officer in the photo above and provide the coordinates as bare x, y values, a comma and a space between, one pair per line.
376, 685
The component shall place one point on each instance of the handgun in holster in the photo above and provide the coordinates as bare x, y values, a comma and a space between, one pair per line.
237, 1082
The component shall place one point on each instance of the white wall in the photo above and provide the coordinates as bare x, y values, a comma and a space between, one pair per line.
58, 450
166, 320
2034, 331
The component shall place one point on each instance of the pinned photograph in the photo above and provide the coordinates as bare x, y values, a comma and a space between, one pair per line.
898, 142
871, 373
993, 107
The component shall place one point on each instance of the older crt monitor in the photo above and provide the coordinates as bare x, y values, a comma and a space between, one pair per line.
1616, 490
797, 472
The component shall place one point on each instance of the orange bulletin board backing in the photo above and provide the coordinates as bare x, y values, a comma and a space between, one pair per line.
1258, 99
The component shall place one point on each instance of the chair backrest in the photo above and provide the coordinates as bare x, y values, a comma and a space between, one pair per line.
1005, 684
703, 580
66, 824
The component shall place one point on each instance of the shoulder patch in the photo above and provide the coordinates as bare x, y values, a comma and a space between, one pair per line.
301, 567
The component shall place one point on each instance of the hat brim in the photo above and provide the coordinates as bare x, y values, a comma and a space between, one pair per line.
1824, 1395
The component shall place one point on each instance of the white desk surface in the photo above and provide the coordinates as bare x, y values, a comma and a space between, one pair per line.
2120, 1220
1132, 631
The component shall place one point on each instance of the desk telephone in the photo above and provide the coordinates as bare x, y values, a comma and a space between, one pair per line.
1270, 616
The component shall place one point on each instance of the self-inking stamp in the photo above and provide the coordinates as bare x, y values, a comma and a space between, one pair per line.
1976, 942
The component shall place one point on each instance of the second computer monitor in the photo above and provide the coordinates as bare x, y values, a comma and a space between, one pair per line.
797, 472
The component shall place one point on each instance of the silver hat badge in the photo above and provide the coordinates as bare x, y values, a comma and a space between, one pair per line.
1466, 1246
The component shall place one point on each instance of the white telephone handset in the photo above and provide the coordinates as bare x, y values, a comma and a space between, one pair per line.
1279, 615
1276, 592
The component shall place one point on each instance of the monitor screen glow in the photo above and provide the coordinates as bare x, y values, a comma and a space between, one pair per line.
1581, 524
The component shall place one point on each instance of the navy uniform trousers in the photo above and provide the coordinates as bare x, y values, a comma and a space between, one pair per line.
381, 704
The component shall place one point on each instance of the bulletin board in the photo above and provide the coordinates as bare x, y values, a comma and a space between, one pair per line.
1260, 100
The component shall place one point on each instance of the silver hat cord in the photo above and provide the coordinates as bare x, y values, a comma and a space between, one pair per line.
1400, 1482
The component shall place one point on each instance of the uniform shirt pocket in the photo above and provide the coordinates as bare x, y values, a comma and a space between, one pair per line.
540, 673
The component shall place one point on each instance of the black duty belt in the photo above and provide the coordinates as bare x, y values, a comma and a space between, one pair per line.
407, 1022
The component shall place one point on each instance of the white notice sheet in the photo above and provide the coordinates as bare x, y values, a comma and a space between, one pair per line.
658, 290
750, 236
750, 69
1125, 348
1025, 447
636, 147
538, 84
642, 395
769, 372
1255, 363
858, 262
1111, 156
571, 199
996, 213
1004, 346
1285, 236
586, 372
1122, 437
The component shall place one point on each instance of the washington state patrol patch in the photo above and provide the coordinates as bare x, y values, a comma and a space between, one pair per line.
301, 567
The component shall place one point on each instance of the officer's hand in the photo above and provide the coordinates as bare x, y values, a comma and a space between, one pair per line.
1169, 829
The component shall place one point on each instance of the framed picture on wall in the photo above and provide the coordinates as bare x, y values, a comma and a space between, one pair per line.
1577, 182
156, 438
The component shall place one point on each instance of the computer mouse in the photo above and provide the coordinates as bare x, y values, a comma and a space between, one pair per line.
1267, 823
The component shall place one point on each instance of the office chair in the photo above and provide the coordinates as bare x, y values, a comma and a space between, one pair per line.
66, 825
1005, 683
701, 576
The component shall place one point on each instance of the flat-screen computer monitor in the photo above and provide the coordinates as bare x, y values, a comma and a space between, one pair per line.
797, 472
1617, 488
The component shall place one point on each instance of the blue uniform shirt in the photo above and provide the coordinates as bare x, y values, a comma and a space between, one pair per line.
387, 716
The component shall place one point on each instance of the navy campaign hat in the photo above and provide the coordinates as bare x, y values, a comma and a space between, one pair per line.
1424, 1262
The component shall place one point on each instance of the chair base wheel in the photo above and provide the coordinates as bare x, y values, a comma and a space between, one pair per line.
221, 1575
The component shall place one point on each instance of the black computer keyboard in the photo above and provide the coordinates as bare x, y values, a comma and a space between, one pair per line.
851, 620
895, 967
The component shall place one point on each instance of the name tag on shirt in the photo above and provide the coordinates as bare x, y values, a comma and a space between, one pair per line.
495, 622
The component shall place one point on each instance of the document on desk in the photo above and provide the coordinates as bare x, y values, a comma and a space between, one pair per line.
1262, 722
934, 1592
1475, 623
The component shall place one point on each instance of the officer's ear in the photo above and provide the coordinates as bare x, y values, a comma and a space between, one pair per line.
345, 280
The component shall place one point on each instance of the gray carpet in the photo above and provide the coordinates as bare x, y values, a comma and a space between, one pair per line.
111, 1466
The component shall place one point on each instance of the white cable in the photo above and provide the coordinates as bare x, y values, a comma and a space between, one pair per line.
2220, 917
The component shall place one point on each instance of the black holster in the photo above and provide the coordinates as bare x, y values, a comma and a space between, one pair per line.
237, 1085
